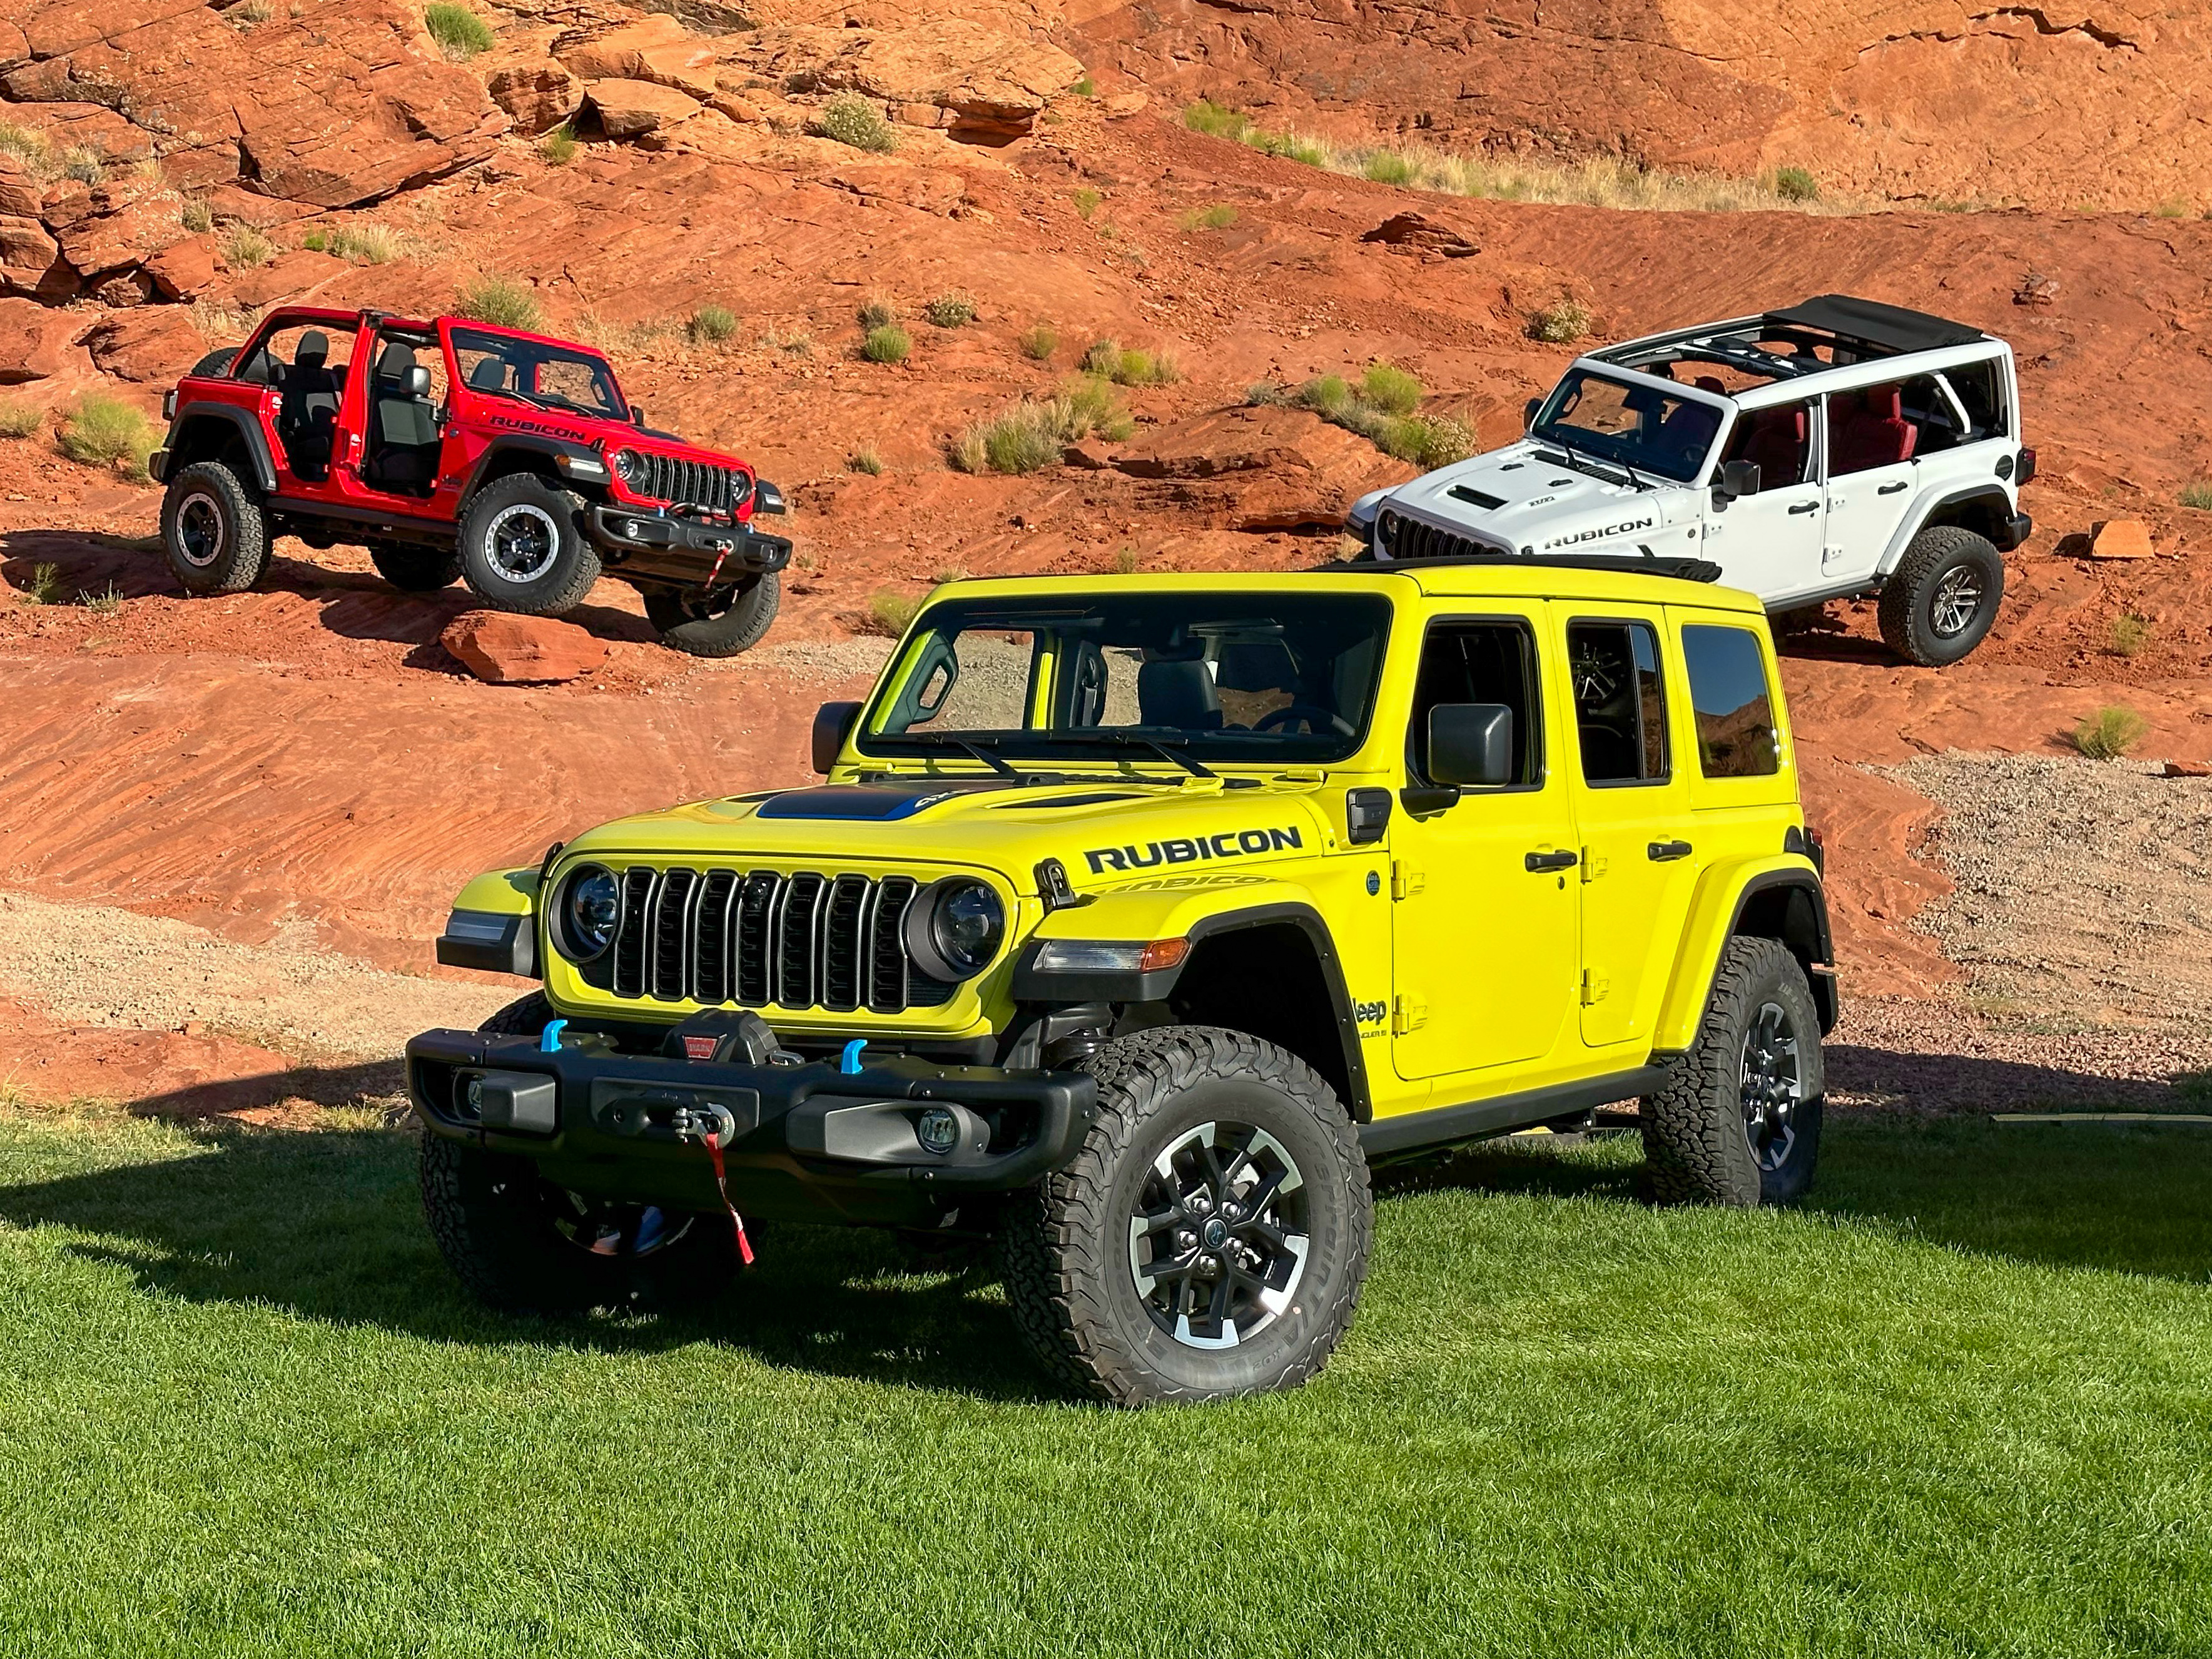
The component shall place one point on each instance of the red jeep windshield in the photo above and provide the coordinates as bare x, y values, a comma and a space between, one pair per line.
549, 376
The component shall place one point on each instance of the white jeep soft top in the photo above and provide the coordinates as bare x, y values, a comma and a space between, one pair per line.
1836, 448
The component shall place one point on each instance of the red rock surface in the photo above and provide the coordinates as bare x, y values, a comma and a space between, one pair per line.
505, 650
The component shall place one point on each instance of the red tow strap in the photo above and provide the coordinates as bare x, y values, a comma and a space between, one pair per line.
722, 1186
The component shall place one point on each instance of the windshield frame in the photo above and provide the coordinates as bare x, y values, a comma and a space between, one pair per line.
1601, 450
543, 401
1071, 746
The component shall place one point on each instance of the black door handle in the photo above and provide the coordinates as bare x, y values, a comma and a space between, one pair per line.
1666, 852
1805, 507
1892, 488
1561, 860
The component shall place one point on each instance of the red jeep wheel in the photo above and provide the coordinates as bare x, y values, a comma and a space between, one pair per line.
523, 549
719, 626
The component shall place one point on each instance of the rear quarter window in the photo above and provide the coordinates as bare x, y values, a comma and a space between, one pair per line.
1731, 701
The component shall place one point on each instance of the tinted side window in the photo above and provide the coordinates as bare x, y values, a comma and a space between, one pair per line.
1981, 390
1481, 662
1735, 708
1621, 706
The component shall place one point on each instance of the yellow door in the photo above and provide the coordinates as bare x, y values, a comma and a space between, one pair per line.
1631, 796
1483, 897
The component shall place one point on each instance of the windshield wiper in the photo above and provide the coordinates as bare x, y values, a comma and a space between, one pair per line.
973, 746
1133, 740
1595, 464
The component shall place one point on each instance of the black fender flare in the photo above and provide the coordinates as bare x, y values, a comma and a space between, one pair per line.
573, 463
1030, 985
249, 432
1822, 950
1992, 492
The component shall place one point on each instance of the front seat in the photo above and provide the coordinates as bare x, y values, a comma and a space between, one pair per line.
490, 374
403, 433
308, 415
1178, 692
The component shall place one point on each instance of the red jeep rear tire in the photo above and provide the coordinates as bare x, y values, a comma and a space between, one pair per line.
523, 549
214, 530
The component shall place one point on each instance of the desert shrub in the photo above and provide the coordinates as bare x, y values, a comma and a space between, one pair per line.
1291, 147
1795, 184
1109, 361
852, 119
1265, 394
246, 247
1086, 87
2110, 733
1327, 395
1391, 389
365, 245
83, 164
888, 613
1219, 217
1040, 343
1428, 441
1089, 407
1561, 324
949, 573
196, 216
105, 603
1104, 358
712, 325
2127, 636
887, 344
1388, 167
247, 13
45, 582
865, 459
2197, 493
28, 146
1036, 431
21, 420
316, 242
1086, 201
102, 431
954, 308
459, 32
558, 146
1215, 121
1126, 560
2175, 209
499, 301
797, 343
877, 311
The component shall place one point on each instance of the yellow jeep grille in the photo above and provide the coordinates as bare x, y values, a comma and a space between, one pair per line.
764, 938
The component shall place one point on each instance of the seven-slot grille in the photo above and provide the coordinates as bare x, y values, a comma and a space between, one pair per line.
762, 939
687, 483
1409, 538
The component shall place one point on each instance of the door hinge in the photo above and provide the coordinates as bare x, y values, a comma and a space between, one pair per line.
1594, 989
1593, 866
1408, 1014
1407, 879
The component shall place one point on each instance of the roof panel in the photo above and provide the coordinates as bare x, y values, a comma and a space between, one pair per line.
1870, 320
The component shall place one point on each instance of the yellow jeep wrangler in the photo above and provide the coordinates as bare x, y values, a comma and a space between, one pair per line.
1135, 919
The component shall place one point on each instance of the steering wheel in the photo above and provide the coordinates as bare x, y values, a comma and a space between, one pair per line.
1314, 716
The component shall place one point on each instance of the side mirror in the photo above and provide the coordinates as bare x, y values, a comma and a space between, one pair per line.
1737, 479
636, 416
1529, 412
833, 723
418, 381
1471, 743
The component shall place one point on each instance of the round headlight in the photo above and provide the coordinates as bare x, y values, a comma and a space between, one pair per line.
629, 465
954, 930
590, 912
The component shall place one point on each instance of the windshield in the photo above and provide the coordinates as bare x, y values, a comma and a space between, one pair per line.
1160, 679
1650, 431
532, 372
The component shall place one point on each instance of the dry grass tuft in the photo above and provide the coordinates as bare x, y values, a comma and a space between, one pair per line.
105, 431
2111, 733
889, 613
849, 118
499, 301
888, 345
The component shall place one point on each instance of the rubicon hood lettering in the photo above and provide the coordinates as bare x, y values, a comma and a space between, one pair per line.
1623, 528
1188, 850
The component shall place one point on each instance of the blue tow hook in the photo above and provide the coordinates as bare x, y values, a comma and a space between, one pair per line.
849, 1062
548, 1040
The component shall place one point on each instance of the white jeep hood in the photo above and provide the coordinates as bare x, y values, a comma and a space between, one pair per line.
1516, 499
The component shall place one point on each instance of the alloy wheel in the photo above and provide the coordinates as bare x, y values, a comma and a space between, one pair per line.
199, 531
1773, 1085
524, 542
1956, 601
1218, 1238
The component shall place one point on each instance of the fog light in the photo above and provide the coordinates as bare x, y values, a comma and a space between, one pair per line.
938, 1130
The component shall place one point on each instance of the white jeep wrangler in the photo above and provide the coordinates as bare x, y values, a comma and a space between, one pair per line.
1837, 448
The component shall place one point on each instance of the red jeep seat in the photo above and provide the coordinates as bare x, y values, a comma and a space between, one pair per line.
1775, 440
1868, 429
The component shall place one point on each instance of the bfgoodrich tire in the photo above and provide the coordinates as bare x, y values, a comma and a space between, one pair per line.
520, 1244
690, 623
416, 569
1211, 1236
522, 547
214, 530
1943, 596
1739, 1122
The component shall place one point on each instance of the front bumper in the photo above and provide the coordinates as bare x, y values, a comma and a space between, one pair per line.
805, 1142
688, 551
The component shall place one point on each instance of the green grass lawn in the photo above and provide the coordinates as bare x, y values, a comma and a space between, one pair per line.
1961, 1405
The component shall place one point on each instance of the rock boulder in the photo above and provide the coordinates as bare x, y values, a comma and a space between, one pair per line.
508, 650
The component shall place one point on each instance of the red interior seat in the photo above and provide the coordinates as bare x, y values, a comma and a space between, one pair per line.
1868, 429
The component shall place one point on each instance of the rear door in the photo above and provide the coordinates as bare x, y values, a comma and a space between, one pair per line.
1877, 437
1631, 805
1483, 892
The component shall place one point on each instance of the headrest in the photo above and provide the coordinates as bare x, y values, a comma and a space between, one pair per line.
1712, 383
489, 374
393, 363
1178, 694
1885, 402
314, 347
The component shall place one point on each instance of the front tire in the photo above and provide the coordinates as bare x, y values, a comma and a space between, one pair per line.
522, 547
214, 530
416, 569
1942, 598
1210, 1238
521, 1244
1739, 1122
690, 623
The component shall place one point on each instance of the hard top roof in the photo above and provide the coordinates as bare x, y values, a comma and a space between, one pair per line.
1893, 326
1587, 578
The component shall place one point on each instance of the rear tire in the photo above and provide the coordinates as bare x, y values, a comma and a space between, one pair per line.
687, 623
1942, 598
519, 1244
214, 530
522, 547
216, 363
1739, 1122
1245, 1166
416, 569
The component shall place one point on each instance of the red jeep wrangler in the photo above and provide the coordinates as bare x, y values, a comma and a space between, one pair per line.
451, 448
